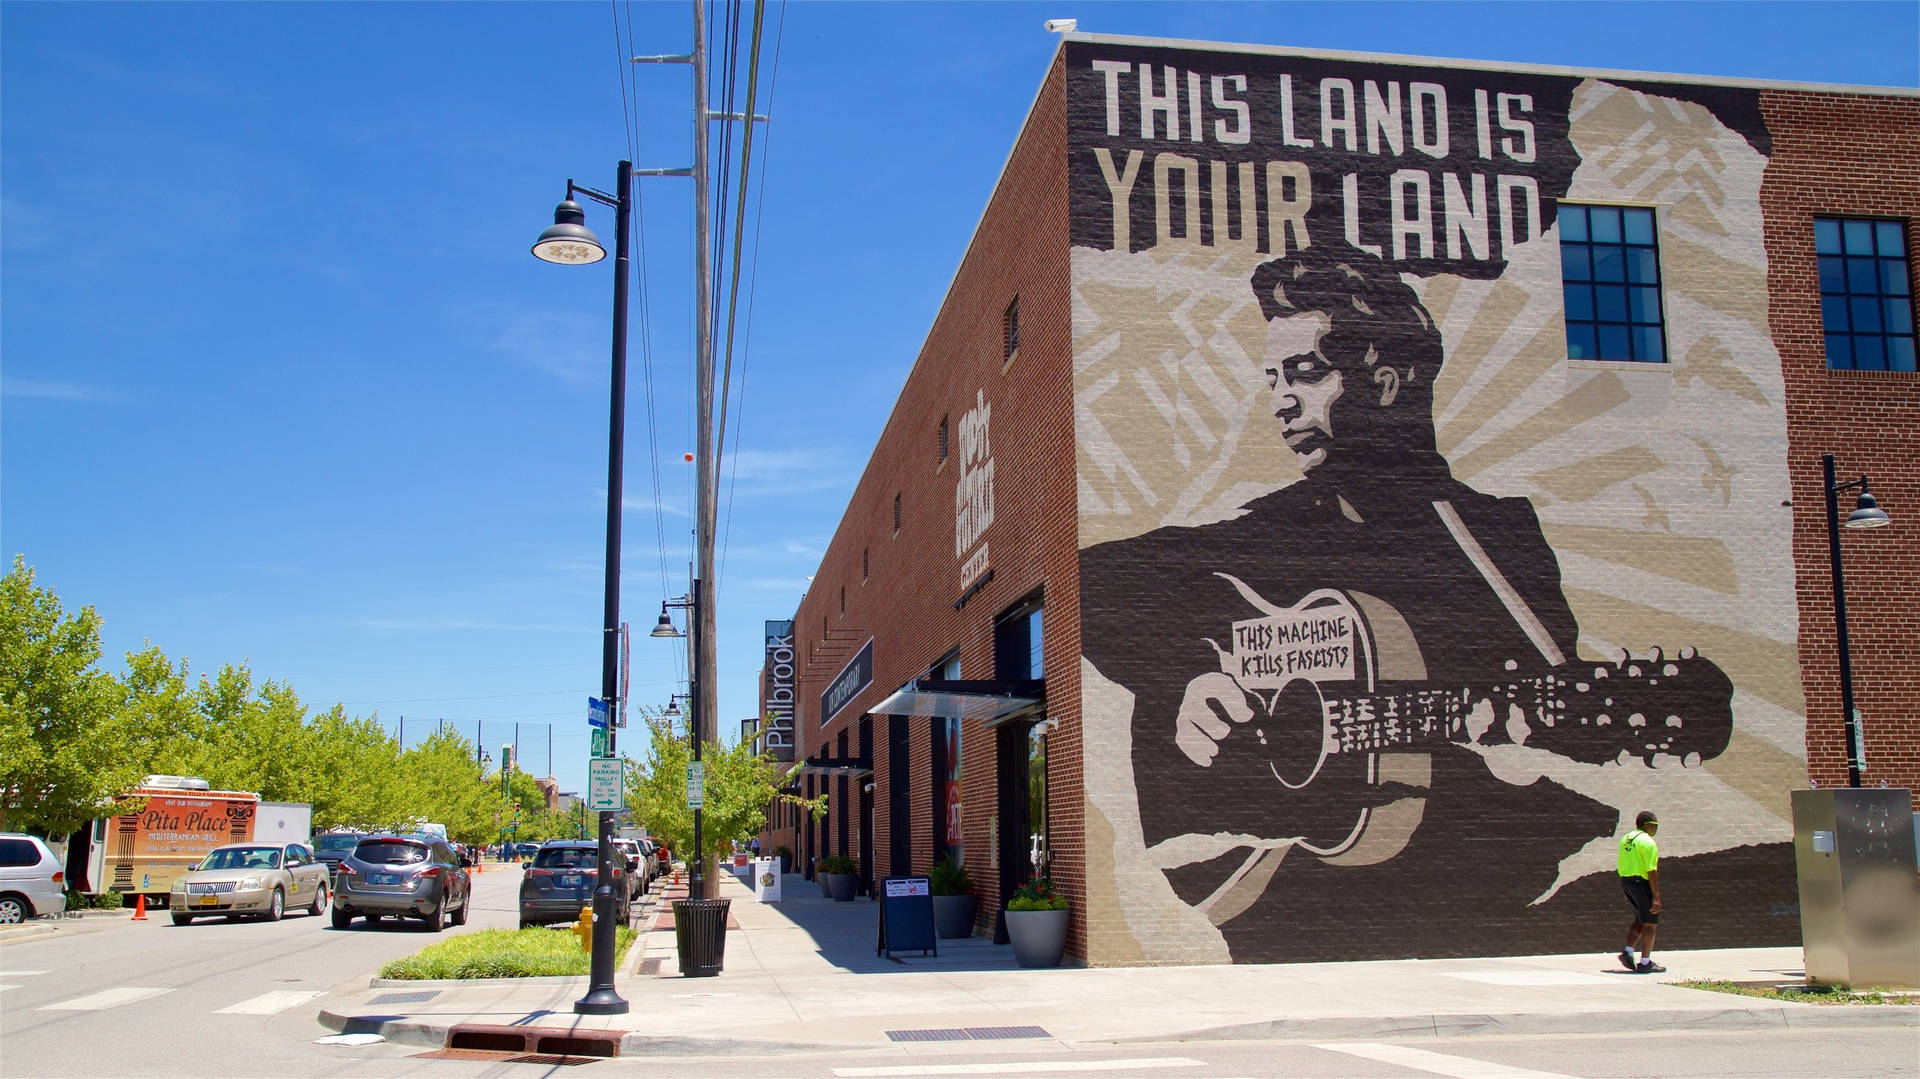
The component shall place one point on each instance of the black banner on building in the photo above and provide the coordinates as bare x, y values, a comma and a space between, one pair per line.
854, 677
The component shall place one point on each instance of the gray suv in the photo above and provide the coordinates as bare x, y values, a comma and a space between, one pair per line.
405, 876
560, 882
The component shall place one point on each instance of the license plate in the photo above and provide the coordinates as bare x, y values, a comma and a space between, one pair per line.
382, 878
209, 900
570, 880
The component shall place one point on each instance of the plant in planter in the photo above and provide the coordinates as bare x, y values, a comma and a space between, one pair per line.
841, 876
785, 854
953, 898
1037, 923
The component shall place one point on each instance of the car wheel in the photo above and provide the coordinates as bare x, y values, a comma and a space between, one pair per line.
342, 918
276, 906
437, 919
13, 910
182, 919
459, 917
319, 902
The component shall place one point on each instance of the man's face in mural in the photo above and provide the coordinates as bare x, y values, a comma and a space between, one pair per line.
1333, 393
1305, 384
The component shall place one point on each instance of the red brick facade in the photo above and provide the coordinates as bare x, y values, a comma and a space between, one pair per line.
1840, 154
892, 575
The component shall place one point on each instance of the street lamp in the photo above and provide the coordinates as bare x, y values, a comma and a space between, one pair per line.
665, 628
568, 242
1866, 514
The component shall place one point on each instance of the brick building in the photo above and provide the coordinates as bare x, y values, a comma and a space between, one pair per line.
1339, 491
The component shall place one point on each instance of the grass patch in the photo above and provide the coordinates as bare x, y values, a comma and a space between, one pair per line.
504, 953
1808, 994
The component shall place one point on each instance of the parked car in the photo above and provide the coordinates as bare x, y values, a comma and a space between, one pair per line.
636, 872
262, 880
561, 881
31, 881
403, 875
332, 847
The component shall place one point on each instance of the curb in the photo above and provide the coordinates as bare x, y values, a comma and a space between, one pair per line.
1458, 1025
27, 932
404, 1031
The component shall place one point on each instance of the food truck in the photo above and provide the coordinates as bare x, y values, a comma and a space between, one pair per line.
144, 852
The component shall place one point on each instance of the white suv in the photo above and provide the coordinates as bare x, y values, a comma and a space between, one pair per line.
637, 875
31, 882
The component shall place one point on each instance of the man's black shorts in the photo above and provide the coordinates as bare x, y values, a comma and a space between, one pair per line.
1640, 894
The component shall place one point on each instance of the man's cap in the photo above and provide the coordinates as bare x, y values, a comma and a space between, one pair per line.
1645, 818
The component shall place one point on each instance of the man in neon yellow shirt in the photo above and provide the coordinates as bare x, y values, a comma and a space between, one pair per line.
1640, 879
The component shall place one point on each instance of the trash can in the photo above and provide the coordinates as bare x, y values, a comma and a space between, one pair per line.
700, 931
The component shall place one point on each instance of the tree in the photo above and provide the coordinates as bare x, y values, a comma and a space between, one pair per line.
61, 760
739, 787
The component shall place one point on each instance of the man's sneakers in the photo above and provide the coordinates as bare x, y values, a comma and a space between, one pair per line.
1648, 966
1626, 959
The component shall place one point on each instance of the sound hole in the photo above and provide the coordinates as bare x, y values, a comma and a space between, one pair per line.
1294, 734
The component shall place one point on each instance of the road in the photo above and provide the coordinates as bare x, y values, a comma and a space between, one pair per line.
234, 1001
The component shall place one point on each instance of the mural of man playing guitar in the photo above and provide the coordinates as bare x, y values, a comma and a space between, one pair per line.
1320, 679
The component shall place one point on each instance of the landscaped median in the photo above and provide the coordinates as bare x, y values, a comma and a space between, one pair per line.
504, 953
1808, 994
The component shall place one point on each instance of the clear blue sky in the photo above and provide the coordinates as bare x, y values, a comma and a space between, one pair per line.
283, 386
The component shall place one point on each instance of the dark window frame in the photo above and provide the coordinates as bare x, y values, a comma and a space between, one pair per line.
1010, 331
1611, 285
1865, 272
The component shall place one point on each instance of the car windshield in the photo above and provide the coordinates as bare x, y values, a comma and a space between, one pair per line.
390, 852
336, 842
243, 858
566, 858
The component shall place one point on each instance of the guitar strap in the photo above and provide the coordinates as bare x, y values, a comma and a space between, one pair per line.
1523, 615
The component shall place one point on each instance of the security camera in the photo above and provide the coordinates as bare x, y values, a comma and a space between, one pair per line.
1062, 26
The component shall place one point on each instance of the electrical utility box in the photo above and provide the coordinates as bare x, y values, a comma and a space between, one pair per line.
1853, 848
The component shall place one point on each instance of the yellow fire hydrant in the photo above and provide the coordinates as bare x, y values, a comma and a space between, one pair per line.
584, 929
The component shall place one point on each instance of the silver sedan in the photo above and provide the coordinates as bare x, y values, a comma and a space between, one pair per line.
254, 879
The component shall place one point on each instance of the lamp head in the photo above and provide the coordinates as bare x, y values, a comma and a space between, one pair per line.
1062, 26
568, 241
1867, 513
664, 627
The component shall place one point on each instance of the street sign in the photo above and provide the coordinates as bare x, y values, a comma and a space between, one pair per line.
606, 785
696, 784
600, 742
596, 712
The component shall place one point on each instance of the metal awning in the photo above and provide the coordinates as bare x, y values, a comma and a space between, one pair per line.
855, 766
996, 701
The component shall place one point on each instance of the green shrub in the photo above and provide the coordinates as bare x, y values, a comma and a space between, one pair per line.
76, 900
504, 953
109, 901
948, 877
1037, 894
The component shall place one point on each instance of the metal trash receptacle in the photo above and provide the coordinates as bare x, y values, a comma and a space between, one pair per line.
700, 931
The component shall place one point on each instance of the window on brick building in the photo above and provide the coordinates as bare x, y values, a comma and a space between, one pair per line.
866, 564
1866, 293
896, 515
843, 599
1610, 279
943, 440
1010, 331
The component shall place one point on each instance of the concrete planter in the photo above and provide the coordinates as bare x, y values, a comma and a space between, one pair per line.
1039, 936
953, 915
841, 886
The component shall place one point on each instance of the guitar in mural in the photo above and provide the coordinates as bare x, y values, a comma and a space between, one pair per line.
1338, 743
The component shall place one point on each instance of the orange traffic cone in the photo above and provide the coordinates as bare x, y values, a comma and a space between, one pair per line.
140, 909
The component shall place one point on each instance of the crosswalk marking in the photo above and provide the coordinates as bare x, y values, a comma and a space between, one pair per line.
1438, 1063
1032, 1067
270, 1003
109, 998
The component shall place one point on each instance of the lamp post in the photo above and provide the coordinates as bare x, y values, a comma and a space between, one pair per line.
1866, 514
568, 242
665, 628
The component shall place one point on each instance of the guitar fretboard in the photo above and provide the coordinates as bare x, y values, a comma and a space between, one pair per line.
1426, 714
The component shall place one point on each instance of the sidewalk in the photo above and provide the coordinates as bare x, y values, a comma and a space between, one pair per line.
802, 974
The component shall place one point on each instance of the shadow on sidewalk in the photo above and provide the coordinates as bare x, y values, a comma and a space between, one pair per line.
846, 935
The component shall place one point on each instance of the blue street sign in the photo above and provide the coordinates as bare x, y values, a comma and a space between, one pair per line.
596, 712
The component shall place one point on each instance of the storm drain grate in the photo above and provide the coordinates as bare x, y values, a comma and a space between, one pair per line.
405, 998
966, 1034
506, 1057
987, 1034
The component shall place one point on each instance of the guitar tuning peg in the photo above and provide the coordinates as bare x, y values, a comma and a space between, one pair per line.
1657, 656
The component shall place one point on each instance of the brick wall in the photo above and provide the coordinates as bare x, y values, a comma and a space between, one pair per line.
1837, 154
905, 600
